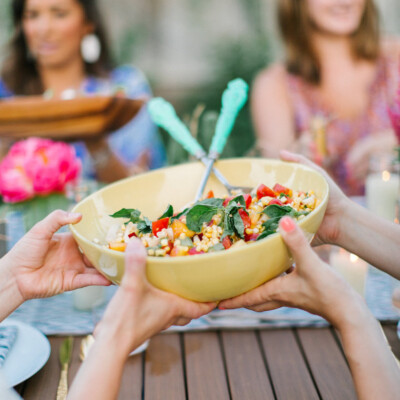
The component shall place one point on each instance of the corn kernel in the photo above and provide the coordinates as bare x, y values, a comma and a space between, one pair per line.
160, 252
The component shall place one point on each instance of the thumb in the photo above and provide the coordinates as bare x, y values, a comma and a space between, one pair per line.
46, 228
296, 241
135, 261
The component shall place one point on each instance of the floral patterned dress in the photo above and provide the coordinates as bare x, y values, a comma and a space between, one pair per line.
340, 135
137, 136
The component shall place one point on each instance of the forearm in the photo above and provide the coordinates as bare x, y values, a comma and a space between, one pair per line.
375, 371
372, 238
10, 297
103, 365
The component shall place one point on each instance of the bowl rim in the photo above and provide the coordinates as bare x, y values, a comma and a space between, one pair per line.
216, 254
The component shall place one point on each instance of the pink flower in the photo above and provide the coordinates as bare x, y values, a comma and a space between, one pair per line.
37, 167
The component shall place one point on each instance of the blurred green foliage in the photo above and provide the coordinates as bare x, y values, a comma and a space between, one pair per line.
230, 58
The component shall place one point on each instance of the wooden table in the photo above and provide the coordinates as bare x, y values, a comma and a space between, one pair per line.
304, 363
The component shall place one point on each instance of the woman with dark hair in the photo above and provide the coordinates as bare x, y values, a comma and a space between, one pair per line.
59, 49
330, 98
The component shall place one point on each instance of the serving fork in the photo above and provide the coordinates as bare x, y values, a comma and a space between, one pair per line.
164, 115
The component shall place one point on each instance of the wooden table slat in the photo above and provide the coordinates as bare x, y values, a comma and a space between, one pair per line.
247, 373
327, 364
290, 376
301, 363
164, 369
205, 372
394, 341
75, 360
43, 385
132, 379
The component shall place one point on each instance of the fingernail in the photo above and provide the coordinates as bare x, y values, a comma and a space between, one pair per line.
73, 215
221, 308
287, 224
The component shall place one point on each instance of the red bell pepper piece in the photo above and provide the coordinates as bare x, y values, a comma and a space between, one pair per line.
192, 251
245, 218
159, 225
226, 242
251, 238
247, 199
263, 191
275, 201
132, 234
282, 189
227, 200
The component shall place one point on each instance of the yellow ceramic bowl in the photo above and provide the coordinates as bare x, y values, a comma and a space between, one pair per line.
206, 277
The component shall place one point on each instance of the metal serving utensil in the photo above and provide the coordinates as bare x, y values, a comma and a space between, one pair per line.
233, 100
163, 114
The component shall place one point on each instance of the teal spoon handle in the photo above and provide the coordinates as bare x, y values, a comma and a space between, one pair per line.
163, 114
233, 100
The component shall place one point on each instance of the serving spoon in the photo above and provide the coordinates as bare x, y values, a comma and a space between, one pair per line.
163, 114
233, 100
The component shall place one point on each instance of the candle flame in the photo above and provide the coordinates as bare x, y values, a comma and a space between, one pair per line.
385, 175
353, 258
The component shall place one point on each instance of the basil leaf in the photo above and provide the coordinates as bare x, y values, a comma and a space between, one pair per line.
216, 247
265, 234
135, 216
296, 214
169, 212
144, 226
275, 210
272, 224
213, 202
199, 214
228, 226
238, 199
177, 216
123, 213
238, 224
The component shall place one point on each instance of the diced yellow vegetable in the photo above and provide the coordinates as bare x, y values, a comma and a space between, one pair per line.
118, 246
179, 227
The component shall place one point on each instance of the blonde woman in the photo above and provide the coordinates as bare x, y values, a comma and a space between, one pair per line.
329, 99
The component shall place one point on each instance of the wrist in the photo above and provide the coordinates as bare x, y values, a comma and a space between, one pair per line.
351, 312
345, 221
10, 295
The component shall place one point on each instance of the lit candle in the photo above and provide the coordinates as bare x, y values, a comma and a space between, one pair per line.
351, 267
381, 191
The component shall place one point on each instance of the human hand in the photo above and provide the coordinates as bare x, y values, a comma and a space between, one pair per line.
312, 285
331, 226
142, 163
359, 156
139, 310
44, 263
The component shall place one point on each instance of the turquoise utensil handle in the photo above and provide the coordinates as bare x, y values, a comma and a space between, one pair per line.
163, 114
233, 100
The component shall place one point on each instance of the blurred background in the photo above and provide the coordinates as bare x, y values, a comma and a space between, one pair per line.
190, 49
